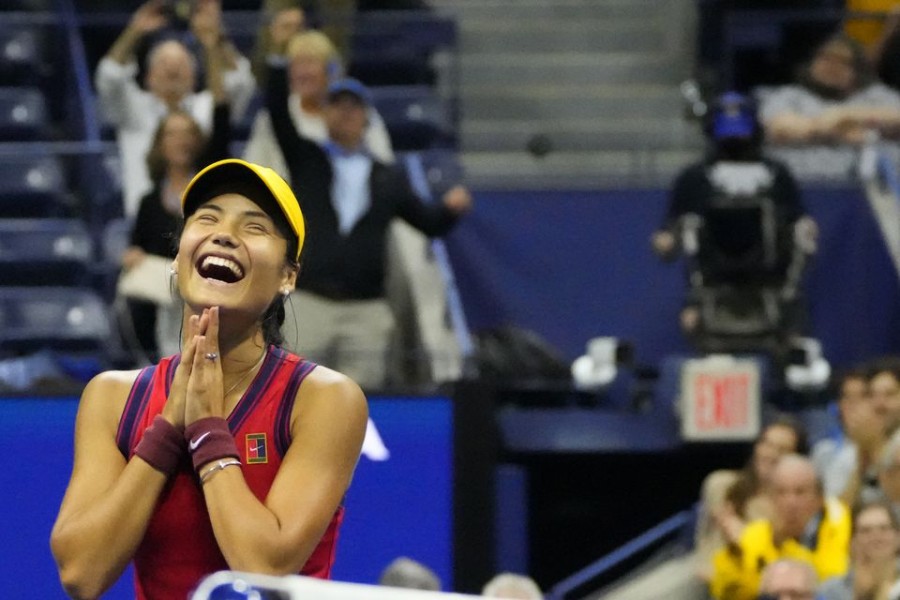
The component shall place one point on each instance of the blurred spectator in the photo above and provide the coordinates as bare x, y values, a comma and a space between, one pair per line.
874, 546
804, 526
340, 305
286, 18
170, 83
885, 51
178, 151
734, 168
314, 62
862, 435
877, 28
404, 572
884, 387
883, 391
886, 485
512, 585
788, 579
879, 419
731, 499
835, 106
869, 23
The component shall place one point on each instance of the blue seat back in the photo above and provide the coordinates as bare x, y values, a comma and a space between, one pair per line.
23, 114
56, 318
21, 60
33, 186
37, 252
415, 116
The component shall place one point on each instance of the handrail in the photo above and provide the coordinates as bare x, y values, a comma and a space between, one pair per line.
419, 181
79, 62
621, 554
74, 147
889, 173
889, 176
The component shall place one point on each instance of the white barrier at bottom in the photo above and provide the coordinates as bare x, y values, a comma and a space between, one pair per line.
236, 585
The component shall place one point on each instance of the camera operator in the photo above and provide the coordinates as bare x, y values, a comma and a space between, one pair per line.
733, 168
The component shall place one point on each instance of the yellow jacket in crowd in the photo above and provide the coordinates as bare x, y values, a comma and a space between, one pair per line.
737, 570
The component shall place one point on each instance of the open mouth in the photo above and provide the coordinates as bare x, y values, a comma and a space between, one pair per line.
219, 268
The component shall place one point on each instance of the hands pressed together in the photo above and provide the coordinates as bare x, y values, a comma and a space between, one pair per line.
197, 388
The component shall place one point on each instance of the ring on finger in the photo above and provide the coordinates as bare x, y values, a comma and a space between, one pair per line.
211, 355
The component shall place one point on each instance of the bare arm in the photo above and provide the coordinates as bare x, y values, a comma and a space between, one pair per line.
328, 425
229, 78
207, 26
279, 535
891, 24
147, 18
846, 125
109, 501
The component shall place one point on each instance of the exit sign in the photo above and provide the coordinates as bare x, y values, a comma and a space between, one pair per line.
720, 399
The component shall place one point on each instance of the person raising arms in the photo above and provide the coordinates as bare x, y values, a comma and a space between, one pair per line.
234, 454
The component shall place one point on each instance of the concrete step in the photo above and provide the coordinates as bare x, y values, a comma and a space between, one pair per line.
506, 10
574, 170
620, 68
579, 134
566, 35
587, 101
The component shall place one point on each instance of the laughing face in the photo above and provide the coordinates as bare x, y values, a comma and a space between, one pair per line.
232, 255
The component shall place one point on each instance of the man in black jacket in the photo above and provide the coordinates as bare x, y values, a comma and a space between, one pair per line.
339, 314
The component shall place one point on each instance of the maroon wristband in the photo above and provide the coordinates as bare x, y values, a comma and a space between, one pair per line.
209, 439
161, 446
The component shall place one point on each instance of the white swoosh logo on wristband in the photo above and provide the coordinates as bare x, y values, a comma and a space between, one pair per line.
194, 443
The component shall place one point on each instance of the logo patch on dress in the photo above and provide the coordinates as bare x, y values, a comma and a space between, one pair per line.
257, 452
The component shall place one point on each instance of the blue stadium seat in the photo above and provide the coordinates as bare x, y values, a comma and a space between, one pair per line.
116, 238
442, 169
27, 5
41, 252
33, 186
23, 114
415, 116
396, 47
57, 318
21, 61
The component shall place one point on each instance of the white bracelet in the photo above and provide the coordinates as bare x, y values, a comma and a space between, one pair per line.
221, 464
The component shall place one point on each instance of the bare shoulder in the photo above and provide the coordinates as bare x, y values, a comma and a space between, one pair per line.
108, 391
325, 389
113, 381
716, 484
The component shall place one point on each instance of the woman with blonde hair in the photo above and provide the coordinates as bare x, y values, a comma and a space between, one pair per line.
314, 63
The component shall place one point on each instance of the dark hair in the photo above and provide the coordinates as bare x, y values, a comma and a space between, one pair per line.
747, 484
841, 376
885, 364
861, 66
794, 424
157, 165
864, 505
273, 318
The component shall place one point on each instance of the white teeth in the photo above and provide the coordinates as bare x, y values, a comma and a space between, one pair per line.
223, 262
